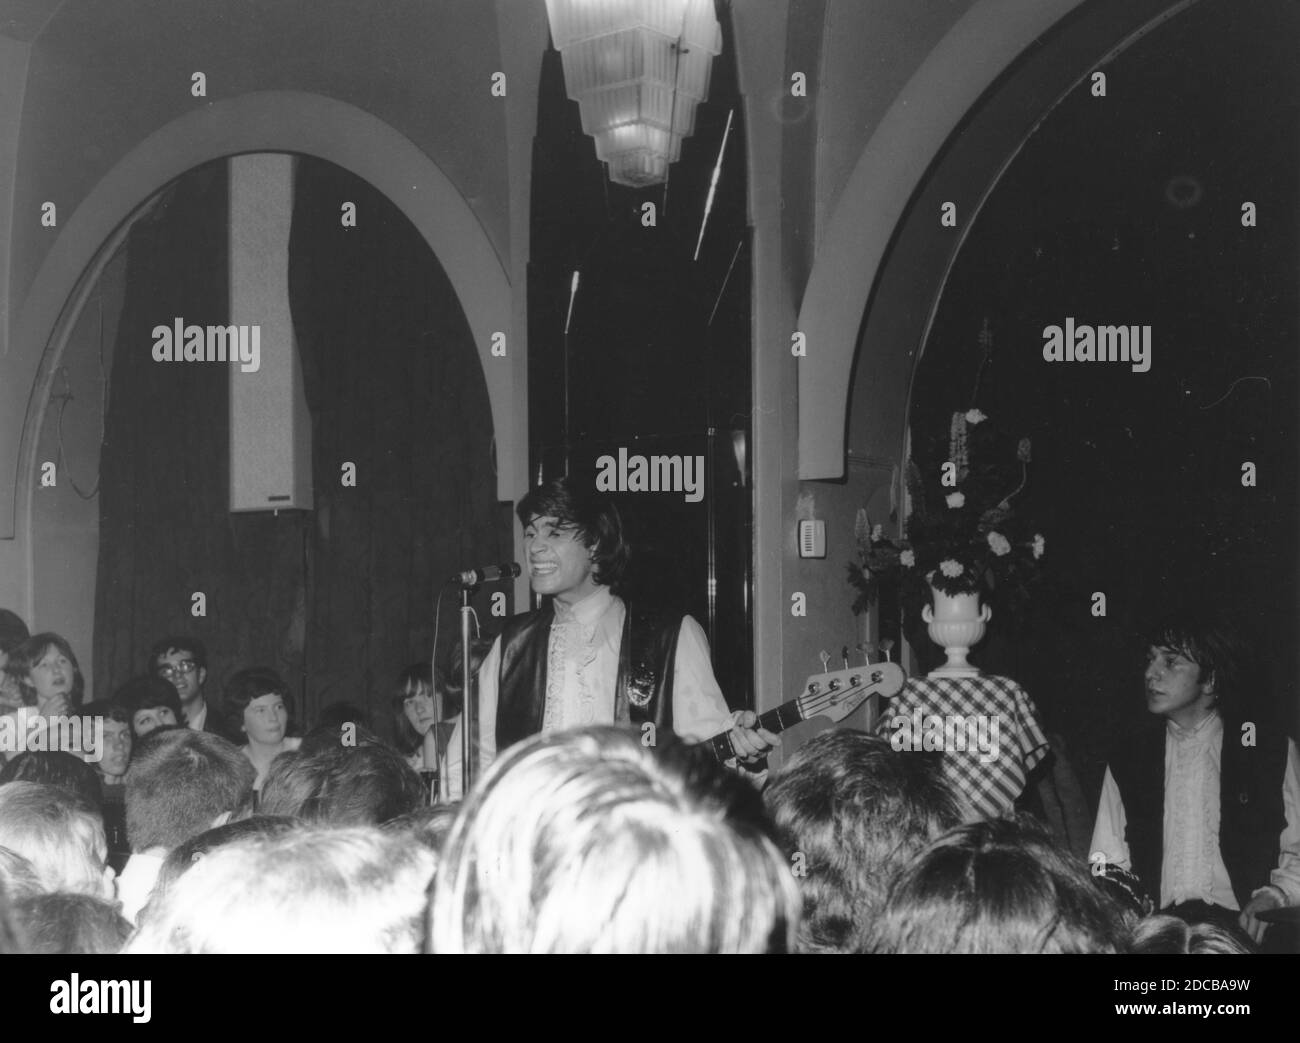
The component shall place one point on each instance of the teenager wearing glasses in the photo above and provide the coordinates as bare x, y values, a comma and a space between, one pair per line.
183, 661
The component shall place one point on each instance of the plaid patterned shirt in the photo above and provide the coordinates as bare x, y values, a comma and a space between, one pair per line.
986, 726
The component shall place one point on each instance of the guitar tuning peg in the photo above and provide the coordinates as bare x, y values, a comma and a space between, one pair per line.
825, 657
844, 654
886, 645
861, 647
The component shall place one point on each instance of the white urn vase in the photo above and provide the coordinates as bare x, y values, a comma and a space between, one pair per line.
956, 624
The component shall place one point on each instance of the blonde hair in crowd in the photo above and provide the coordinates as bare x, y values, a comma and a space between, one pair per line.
586, 841
60, 834
353, 890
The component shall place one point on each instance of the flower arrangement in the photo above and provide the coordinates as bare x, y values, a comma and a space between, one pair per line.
963, 535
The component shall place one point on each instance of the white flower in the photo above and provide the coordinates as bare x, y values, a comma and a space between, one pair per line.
955, 499
974, 416
877, 533
860, 524
999, 544
951, 569
1039, 546
907, 559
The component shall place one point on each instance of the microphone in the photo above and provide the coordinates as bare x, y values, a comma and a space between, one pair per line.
473, 577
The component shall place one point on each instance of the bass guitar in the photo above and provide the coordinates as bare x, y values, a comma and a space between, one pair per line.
832, 695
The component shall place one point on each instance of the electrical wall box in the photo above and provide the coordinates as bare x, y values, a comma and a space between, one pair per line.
812, 539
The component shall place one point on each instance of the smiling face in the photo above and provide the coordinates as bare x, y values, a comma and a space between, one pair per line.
265, 720
1175, 688
52, 676
558, 563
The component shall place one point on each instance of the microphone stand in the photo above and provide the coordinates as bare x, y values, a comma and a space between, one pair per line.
468, 709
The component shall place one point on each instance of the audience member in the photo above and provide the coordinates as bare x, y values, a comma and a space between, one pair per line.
339, 734
111, 768
10, 940
60, 769
420, 733
183, 661
429, 826
587, 841
180, 783
186, 856
851, 812
1164, 935
18, 877
115, 754
1203, 807
999, 886
337, 714
257, 709
60, 833
47, 675
150, 703
342, 785
350, 890
70, 925
13, 632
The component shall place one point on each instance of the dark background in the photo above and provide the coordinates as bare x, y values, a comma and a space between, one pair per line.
1127, 210
658, 350
339, 600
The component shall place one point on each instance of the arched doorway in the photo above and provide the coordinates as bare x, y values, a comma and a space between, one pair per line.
338, 599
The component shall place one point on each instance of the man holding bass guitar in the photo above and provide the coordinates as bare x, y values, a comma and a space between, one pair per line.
586, 656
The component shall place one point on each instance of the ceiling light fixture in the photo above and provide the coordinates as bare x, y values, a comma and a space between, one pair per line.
637, 69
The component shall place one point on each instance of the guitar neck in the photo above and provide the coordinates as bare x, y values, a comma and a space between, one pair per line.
830, 695
775, 721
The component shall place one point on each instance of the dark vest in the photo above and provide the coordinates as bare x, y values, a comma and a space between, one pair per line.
1251, 813
643, 691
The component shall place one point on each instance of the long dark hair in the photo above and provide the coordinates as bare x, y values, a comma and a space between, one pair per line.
413, 678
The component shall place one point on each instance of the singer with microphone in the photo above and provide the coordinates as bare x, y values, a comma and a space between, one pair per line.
490, 574
588, 657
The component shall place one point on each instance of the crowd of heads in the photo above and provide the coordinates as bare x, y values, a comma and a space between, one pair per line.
577, 841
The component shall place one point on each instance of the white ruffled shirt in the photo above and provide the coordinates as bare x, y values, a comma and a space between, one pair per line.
582, 671
1191, 866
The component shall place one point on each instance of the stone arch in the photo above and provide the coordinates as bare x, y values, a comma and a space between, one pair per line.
876, 215
274, 121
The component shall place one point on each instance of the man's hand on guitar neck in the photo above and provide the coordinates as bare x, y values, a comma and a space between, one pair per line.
751, 743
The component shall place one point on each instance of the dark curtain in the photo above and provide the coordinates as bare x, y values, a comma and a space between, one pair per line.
395, 387
338, 599
165, 529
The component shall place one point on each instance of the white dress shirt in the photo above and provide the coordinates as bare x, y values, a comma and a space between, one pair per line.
197, 720
1191, 867
136, 881
581, 675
